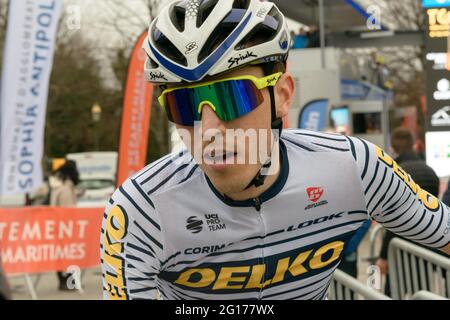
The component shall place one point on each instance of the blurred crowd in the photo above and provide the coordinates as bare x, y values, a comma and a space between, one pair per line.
306, 38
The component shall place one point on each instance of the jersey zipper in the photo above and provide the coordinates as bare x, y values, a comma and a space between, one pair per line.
258, 203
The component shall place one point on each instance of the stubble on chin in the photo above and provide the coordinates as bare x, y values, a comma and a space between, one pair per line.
231, 182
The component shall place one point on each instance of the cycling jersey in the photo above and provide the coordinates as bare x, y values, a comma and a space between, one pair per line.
168, 232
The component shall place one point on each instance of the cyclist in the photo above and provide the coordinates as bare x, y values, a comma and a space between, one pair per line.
212, 223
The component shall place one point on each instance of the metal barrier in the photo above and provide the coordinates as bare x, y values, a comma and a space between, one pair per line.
413, 269
345, 287
425, 295
31, 284
376, 238
377, 230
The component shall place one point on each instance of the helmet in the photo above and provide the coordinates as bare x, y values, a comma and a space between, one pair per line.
192, 39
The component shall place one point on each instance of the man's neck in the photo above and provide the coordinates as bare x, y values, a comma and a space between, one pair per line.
254, 192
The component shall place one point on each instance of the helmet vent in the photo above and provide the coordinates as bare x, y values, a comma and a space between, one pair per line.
241, 4
221, 32
167, 48
177, 17
151, 64
205, 10
266, 31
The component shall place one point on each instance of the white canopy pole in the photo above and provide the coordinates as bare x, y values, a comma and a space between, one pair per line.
322, 32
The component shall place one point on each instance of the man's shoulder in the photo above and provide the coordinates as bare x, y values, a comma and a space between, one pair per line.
419, 170
171, 170
446, 196
314, 141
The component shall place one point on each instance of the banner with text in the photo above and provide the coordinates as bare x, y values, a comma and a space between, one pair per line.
135, 116
44, 239
27, 63
437, 65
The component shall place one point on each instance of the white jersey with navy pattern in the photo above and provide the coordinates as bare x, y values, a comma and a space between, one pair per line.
167, 233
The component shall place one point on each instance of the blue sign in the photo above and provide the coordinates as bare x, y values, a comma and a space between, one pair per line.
435, 3
314, 115
358, 90
353, 90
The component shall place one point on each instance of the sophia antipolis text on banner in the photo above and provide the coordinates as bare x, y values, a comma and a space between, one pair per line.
29, 48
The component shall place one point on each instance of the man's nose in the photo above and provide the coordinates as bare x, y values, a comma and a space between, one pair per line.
210, 120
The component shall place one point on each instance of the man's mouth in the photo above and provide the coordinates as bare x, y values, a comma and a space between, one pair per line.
219, 157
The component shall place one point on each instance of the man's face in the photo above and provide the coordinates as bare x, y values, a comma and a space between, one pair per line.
232, 152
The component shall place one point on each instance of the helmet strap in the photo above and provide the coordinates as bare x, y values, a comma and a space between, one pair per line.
276, 125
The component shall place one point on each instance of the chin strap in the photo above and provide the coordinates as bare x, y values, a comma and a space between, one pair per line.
277, 127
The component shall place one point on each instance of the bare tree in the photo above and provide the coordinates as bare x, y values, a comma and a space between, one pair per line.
401, 15
75, 85
127, 20
405, 63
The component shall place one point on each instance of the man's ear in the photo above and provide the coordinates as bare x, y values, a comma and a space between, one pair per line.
284, 94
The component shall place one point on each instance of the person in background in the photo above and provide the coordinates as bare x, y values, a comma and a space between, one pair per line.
419, 146
293, 35
380, 72
402, 144
41, 196
313, 37
5, 291
300, 40
63, 194
446, 196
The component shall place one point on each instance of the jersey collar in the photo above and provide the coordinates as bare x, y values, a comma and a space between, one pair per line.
266, 195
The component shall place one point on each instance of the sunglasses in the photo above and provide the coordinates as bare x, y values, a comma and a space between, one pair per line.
229, 98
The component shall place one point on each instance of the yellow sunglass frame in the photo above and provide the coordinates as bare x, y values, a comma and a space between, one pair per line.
260, 83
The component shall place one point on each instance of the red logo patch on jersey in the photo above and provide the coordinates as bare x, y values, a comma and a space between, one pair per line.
314, 193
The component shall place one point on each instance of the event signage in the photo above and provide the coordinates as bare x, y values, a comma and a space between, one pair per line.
44, 239
135, 116
437, 64
27, 64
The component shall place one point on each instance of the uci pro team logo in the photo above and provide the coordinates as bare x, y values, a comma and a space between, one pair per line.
194, 224
213, 223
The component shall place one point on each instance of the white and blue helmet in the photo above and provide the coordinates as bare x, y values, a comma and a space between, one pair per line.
192, 39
